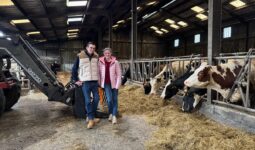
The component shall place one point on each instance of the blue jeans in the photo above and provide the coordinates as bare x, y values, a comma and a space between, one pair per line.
112, 99
91, 107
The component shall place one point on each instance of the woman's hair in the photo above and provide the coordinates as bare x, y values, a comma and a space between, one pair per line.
107, 49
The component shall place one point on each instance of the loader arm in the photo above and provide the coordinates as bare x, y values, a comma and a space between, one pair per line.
35, 69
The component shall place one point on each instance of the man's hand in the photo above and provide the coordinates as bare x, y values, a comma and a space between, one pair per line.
79, 83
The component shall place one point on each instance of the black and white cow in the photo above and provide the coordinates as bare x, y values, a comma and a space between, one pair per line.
125, 76
192, 98
173, 86
152, 85
219, 78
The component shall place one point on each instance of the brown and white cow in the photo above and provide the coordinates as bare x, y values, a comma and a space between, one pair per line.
219, 78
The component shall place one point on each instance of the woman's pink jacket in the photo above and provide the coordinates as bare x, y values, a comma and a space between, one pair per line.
115, 72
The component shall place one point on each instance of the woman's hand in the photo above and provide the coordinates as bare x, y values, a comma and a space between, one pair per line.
79, 83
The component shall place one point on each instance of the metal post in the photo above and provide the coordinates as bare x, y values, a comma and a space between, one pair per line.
248, 102
133, 33
100, 40
185, 46
110, 29
247, 37
214, 34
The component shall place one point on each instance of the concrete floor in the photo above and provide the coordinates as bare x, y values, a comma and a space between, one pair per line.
35, 123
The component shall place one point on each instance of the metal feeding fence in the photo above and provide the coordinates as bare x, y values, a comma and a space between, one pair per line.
149, 68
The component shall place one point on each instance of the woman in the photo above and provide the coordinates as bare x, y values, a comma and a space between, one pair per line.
110, 80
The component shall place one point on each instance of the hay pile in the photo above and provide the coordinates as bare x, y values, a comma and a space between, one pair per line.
63, 77
178, 130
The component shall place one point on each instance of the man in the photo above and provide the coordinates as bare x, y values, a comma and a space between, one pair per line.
87, 77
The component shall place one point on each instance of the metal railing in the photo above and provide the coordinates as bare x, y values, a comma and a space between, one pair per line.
146, 68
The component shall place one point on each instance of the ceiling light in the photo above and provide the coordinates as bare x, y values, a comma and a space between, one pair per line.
138, 8
166, 5
149, 15
159, 32
170, 21
182, 23
6, 3
175, 26
34, 32
76, 3
201, 16
237, 3
19, 21
42, 40
2, 34
197, 9
75, 16
73, 30
164, 30
70, 34
154, 28
151, 3
115, 26
74, 19
9, 39
121, 21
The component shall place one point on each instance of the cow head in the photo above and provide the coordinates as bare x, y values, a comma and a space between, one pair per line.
200, 78
147, 86
190, 102
123, 80
187, 104
125, 76
171, 90
154, 82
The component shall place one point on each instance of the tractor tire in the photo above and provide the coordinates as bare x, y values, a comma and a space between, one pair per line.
12, 96
2, 102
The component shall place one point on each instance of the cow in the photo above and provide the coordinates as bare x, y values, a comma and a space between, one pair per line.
192, 98
173, 86
152, 85
219, 78
125, 76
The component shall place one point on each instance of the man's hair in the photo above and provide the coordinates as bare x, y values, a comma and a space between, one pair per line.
92, 43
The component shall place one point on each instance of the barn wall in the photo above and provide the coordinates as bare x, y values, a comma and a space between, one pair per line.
236, 43
148, 45
64, 52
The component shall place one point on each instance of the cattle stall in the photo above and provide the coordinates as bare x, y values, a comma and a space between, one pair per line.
148, 68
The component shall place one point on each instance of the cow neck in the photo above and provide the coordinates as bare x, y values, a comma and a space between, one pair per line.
215, 86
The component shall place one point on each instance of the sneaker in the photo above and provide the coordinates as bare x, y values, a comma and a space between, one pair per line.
87, 119
90, 124
110, 117
114, 120
96, 120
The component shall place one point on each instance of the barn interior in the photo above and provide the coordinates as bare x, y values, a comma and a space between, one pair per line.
141, 33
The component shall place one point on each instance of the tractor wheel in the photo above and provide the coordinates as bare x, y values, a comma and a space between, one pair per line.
12, 96
2, 102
